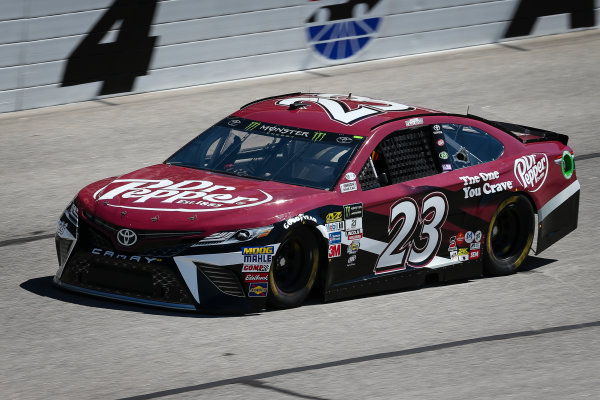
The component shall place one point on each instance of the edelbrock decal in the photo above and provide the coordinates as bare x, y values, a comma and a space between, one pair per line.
188, 192
531, 171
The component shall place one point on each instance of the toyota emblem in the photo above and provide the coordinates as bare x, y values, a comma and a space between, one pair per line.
126, 237
343, 139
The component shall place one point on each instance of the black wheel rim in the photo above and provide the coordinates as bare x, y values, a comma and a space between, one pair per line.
290, 271
508, 235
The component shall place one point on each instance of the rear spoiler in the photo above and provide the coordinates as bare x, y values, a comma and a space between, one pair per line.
527, 134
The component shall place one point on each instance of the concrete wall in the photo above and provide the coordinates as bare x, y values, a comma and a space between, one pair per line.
62, 51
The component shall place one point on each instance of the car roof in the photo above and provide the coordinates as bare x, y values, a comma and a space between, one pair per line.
311, 111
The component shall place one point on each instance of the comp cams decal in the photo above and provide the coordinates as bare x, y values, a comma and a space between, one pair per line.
186, 193
417, 236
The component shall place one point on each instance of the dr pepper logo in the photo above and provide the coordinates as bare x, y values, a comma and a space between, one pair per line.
186, 196
531, 171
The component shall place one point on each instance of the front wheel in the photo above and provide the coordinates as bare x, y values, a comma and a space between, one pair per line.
294, 269
509, 236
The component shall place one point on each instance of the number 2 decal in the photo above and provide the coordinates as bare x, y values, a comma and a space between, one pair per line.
339, 111
418, 233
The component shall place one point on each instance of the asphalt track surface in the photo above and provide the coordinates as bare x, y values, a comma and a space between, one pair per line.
532, 335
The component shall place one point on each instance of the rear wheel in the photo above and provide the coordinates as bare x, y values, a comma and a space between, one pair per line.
509, 236
294, 269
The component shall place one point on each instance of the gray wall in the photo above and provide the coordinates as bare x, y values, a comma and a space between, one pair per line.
62, 51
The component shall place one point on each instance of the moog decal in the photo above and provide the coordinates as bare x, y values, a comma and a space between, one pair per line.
418, 233
189, 192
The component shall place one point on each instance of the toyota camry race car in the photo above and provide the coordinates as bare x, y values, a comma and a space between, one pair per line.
346, 194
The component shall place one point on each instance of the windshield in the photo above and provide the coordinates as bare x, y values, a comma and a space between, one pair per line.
264, 151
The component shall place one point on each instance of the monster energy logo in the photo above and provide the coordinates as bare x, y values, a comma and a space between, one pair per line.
318, 136
346, 211
252, 125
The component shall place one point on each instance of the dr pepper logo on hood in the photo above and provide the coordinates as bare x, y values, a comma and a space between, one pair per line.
186, 196
531, 171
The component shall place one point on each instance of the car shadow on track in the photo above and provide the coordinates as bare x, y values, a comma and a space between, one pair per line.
44, 287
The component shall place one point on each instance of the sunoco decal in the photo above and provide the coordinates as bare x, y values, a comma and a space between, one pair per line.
531, 171
190, 192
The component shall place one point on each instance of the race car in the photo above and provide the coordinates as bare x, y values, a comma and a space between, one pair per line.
340, 194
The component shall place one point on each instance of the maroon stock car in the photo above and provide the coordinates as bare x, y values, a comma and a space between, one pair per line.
296, 192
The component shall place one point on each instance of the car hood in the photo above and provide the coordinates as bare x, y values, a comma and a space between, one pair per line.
165, 197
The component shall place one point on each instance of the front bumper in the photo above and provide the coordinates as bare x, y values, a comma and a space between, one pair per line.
179, 279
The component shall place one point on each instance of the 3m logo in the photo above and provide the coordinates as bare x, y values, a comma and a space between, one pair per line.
318, 136
335, 250
252, 125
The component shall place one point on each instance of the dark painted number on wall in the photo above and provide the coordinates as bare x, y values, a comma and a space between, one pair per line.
581, 11
119, 63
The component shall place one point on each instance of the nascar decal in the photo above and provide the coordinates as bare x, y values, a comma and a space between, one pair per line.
339, 31
189, 193
348, 109
531, 171
417, 236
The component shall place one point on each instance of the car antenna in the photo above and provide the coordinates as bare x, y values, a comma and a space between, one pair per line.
468, 109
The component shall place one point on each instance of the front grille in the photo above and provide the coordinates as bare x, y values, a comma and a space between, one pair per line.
127, 278
102, 235
222, 278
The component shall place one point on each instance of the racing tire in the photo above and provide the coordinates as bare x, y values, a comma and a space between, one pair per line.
509, 236
294, 269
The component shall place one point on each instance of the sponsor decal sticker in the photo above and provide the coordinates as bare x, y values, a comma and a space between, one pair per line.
62, 226
318, 136
475, 246
344, 139
333, 217
257, 255
335, 237
163, 194
478, 236
531, 171
298, 218
351, 261
258, 289
454, 255
257, 277
354, 234
440, 142
473, 254
353, 247
463, 254
414, 122
348, 187
460, 238
444, 155
350, 176
353, 224
437, 128
469, 236
353, 211
335, 226
256, 267
446, 167
335, 250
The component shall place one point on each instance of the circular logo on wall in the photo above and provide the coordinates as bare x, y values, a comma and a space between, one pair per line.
126, 237
340, 31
